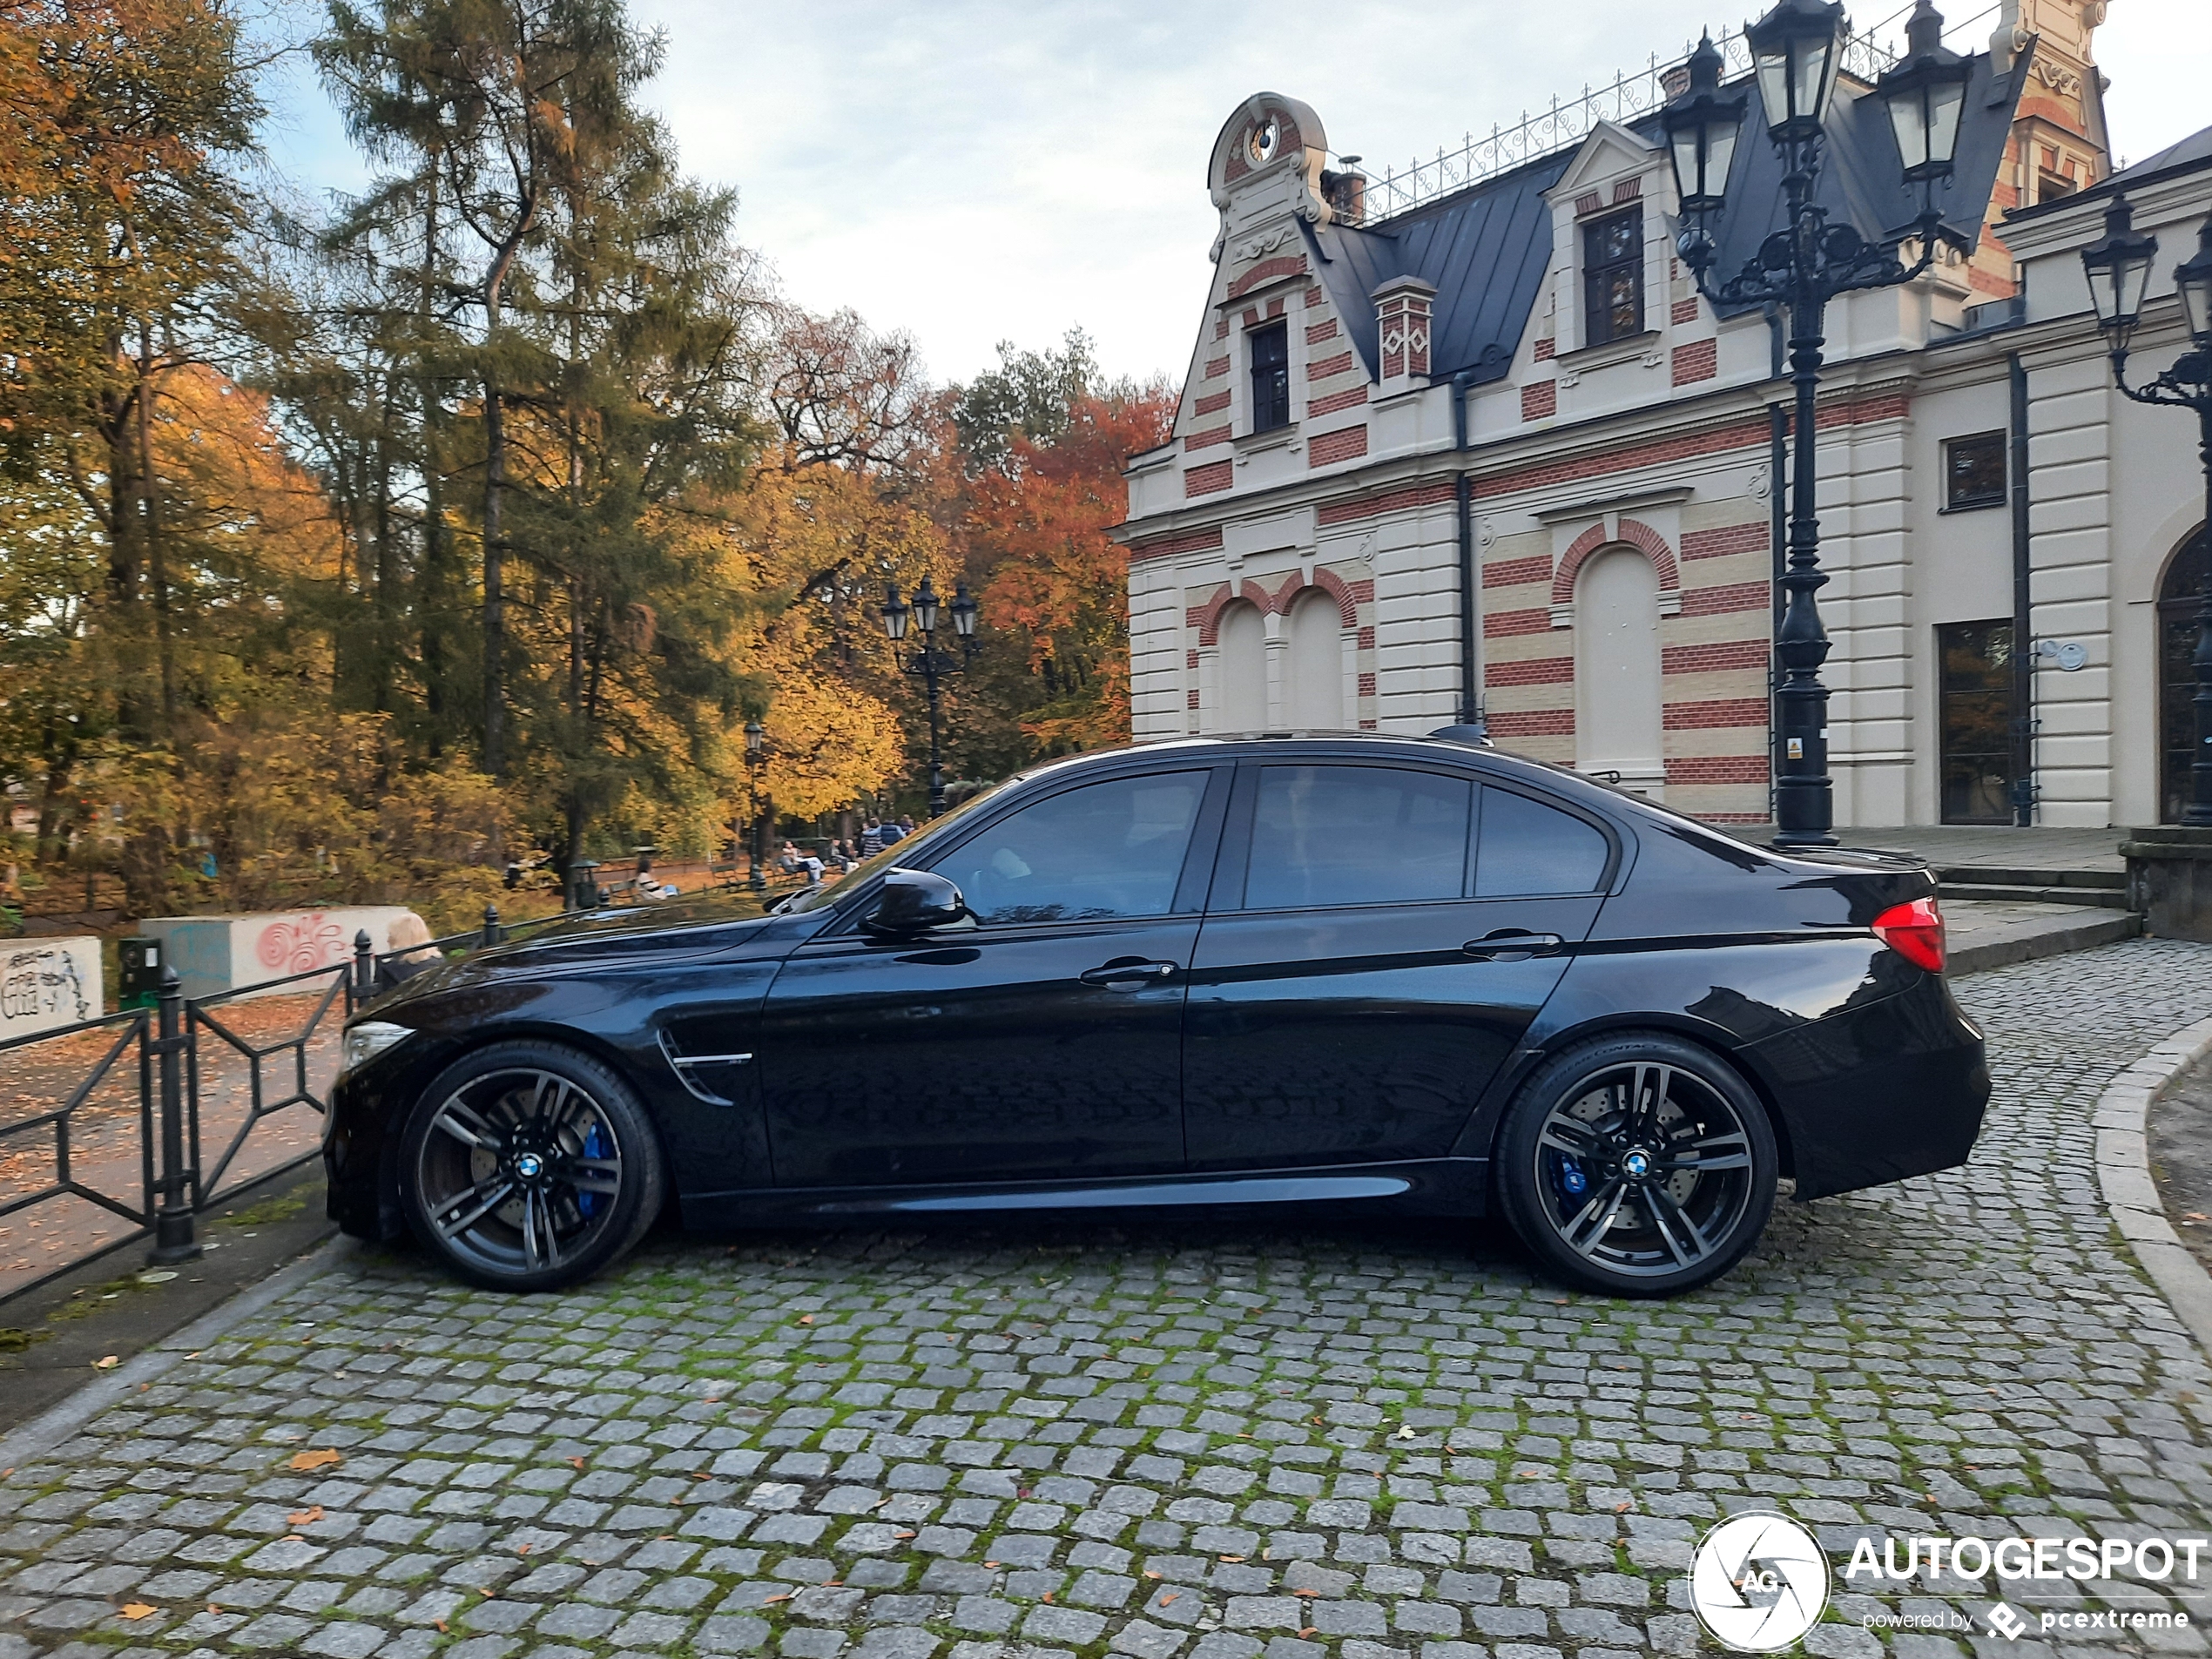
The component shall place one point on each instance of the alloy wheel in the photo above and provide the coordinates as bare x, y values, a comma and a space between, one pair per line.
519, 1172
1645, 1170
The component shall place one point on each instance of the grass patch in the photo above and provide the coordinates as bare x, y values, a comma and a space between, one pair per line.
282, 1207
15, 1341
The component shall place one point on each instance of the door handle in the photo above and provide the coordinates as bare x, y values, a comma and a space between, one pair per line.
1513, 945
1122, 973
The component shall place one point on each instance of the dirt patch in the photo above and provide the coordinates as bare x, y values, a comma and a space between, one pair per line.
2180, 1156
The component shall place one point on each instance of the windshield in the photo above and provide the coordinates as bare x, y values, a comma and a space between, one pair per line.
899, 853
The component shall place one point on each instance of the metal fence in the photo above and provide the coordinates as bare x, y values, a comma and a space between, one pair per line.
158, 1076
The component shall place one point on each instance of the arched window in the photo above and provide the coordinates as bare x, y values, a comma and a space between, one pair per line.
2187, 574
1616, 667
1316, 662
1242, 632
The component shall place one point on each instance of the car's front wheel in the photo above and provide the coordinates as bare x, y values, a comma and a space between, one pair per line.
1637, 1165
527, 1166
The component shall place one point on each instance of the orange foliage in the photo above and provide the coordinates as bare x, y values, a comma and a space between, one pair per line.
1039, 527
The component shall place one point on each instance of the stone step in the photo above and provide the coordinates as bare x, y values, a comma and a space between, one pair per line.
2005, 893
1996, 935
2014, 876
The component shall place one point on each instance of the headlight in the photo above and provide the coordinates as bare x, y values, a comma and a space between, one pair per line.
363, 1043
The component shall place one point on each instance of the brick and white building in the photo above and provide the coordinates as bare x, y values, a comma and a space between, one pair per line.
1400, 385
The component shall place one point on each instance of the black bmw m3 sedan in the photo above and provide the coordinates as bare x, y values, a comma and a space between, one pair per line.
1373, 973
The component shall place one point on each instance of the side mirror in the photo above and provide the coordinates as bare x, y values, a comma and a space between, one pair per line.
915, 901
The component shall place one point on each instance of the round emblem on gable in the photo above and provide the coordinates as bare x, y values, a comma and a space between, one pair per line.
1262, 141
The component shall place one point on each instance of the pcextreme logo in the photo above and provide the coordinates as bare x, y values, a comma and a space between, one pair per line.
1758, 1583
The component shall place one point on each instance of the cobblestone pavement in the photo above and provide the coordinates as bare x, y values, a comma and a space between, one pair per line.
1243, 1438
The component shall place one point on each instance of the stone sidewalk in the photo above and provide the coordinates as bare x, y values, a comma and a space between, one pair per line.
1248, 1437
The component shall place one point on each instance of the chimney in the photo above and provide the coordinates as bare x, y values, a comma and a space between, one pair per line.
1346, 191
1402, 309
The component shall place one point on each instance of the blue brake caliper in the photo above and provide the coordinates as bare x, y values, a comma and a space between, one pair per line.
595, 1146
1568, 1175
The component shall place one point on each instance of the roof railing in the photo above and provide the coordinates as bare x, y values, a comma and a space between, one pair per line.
1565, 125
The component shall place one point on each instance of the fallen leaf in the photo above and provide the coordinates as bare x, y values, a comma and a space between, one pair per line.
1047, 1595
1305, 1592
576, 1462
441, 1624
321, 1459
1149, 1572
990, 1563
211, 1608
108, 1364
1621, 1507
906, 1533
772, 1600
1229, 1558
1167, 1596
137, 1610
1022, 1492
1405, 1432
1317, 1419
1527, 1474
806, 1318
144, 1387
306, 1517
523, 1549
2195, 1215
482, 1591
292, 1538
701, 1474
1307, 1631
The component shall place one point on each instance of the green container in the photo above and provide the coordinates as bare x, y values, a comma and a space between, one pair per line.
138, 979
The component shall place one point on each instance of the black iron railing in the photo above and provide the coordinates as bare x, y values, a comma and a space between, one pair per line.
158, 1075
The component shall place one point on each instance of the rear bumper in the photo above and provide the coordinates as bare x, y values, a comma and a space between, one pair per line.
1879, 1093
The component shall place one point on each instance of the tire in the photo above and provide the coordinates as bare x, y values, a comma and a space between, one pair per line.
1638, 1164
527, 1166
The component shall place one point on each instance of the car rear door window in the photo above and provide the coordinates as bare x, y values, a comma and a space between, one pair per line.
1108, 849
1355, 836
1527, 847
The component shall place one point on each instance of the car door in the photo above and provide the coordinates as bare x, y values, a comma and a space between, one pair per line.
1379, 938
1043, 1044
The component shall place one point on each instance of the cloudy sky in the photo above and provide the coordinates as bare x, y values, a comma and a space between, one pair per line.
974, 170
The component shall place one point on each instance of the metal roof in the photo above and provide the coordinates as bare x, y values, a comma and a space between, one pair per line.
1487, 249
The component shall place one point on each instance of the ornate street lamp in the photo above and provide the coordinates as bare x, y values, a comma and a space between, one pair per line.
1796, 49
2118, 266
929, 663
756, 757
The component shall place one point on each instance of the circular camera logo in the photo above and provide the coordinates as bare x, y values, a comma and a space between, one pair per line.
1758, 1583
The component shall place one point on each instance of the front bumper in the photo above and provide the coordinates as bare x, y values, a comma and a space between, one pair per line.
1879, 1093
360, 1159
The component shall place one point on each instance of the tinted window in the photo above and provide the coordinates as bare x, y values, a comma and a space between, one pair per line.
1527, 846
1107, 849
1271, 349
1339, 835
1973, 471
1612, 277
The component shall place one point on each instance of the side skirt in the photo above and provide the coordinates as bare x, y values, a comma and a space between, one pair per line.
1428, 1187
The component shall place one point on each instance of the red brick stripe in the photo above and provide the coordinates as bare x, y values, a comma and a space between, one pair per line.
1328, 365
1544, 671
1511, 573
1266, 272
1207, 439
1216, 367
1159, 547
1336, 401
1728, 538
1206, 481
1503, 624
1736, 596
1213, 403
1321, 331
1345, 444
1539, 399
1698, 361
1725, 711
1533, 723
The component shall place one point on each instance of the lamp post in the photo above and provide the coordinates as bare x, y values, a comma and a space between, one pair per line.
2118, 264
1796, 49
756, 757
929, 663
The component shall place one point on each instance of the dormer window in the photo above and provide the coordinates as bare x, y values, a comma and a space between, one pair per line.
1271, 357
1613, 276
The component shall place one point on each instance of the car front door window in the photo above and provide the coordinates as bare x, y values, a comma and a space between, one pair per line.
1108, 850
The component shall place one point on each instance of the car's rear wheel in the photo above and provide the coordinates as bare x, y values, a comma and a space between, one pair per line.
1637, 1165
527, 1166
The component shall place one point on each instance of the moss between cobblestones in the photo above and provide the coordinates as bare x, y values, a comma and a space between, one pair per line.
1460, 1462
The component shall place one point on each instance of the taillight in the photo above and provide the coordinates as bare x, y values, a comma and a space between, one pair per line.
1914, 931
